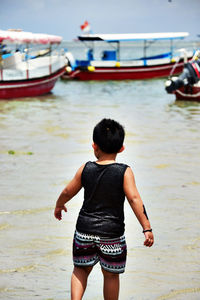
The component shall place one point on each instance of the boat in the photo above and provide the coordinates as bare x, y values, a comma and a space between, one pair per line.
26, 75
111, 66
189, 93
186, 86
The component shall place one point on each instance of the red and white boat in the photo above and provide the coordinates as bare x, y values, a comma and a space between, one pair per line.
189, 93
23, 75
187, 85
112, 67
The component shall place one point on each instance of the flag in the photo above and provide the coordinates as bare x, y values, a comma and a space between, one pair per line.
85, 27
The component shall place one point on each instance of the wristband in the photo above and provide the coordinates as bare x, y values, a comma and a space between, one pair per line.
147, 230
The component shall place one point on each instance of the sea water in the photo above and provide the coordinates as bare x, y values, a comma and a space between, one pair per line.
44, 140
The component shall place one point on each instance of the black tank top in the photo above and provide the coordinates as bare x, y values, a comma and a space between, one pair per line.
102, 212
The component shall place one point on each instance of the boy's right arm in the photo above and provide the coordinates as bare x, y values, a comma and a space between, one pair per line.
68, 193
137, 206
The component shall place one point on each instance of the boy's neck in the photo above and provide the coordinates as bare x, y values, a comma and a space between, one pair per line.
106, 158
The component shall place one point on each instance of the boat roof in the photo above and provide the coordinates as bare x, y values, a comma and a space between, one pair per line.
133, 36
22, 37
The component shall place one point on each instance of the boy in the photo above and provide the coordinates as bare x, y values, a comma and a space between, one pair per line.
99, 235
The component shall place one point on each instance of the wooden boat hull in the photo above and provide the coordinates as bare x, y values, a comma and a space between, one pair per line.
30, 87
188, 93
124, 73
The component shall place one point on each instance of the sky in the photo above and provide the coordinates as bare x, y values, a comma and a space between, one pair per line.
64, 17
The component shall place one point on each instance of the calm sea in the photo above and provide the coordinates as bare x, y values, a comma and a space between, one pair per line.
44, 140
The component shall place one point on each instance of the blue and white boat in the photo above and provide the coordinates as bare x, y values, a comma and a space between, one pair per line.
112, 67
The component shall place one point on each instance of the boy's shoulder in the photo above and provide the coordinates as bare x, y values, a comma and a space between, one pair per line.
92, 165
122, 164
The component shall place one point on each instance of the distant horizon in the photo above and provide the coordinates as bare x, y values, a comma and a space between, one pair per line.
64, 18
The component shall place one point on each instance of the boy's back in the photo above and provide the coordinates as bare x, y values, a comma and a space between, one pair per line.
102, 212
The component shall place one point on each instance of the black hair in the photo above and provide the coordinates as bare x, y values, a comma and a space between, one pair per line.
109, 135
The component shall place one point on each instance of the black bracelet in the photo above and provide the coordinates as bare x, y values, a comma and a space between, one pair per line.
147, 230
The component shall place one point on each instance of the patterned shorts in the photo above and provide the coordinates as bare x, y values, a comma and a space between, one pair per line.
89, 249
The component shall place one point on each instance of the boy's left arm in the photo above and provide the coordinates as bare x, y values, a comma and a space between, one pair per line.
68, 193
137, 206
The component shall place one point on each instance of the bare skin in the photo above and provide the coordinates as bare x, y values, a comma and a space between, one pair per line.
79, 282
80, 274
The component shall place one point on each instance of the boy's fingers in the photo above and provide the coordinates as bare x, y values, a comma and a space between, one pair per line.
149, 239
148, 242
58, 216
58, 212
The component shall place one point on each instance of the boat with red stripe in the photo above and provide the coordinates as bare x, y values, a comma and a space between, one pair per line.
24, 74
111, 66
187, 85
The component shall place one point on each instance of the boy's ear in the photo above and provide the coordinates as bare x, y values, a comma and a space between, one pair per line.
122, 149
94, 146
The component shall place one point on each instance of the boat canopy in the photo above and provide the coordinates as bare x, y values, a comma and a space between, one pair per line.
22, 37
133, 36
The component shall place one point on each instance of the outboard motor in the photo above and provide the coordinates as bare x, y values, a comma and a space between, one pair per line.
189, 76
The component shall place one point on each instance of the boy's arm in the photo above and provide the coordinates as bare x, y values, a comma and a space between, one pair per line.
68, 193
137, 205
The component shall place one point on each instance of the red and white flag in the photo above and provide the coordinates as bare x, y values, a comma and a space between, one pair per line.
85, 27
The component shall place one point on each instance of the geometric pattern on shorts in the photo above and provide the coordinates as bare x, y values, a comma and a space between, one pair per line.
89, 249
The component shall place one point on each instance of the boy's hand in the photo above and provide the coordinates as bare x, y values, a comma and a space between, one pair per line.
58, 212
149, 239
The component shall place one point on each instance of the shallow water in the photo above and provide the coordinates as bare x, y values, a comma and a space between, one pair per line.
43, 142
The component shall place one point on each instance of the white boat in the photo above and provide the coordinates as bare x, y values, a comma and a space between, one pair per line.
23, 75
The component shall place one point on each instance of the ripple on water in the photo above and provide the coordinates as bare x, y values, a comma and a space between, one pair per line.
175, 293
57, 252
26, 211
36, 244
4, 226
19, 269
194, 245
162, 166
